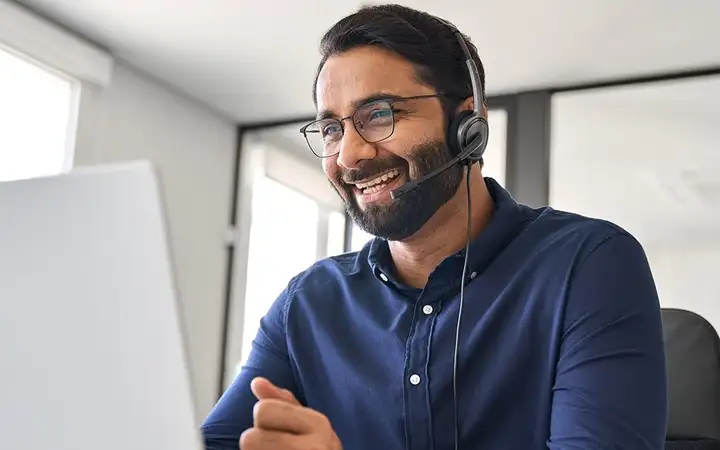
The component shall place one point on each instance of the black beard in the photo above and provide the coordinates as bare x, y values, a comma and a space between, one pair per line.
407, 214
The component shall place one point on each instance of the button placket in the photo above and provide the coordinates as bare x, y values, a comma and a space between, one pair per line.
418, 426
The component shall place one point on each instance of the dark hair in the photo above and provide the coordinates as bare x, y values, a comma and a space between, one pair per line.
427, 41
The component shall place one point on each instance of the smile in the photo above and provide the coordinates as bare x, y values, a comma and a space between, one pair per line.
377, 183
378, 189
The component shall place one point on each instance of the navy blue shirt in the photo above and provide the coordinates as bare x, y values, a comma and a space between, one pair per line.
561, 344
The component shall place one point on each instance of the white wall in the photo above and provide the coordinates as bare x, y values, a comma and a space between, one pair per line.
135, 117
686, 278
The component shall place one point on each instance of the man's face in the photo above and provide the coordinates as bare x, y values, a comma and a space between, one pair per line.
364, 174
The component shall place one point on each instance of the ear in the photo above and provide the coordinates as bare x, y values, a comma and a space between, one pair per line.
469, 104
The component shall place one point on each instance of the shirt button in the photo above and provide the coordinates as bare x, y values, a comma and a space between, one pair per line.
427, 309
383, 277
473, 275
415, 379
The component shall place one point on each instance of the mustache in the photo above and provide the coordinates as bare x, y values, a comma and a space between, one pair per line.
370, 168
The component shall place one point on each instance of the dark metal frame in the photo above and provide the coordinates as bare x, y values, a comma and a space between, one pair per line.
527, 159
527, 165
230, 261
651, 78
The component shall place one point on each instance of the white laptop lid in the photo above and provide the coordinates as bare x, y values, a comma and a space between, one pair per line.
91, 347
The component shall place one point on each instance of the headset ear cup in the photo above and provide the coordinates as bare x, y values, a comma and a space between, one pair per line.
476, 130
455, 144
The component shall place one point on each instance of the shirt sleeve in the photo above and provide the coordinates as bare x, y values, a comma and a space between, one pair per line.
610, 387
268, 358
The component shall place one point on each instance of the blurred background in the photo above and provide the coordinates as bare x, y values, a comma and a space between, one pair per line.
605, 108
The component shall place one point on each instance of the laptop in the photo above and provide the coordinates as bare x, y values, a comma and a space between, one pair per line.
92, 353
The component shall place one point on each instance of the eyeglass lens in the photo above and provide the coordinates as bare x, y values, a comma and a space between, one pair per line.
373, 121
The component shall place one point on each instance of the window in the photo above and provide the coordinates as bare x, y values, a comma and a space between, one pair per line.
289, 218
358, 238
36, 119
283, 242
336, 233
494, 159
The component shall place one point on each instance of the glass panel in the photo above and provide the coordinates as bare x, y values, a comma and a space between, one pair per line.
646, 157
358, 238
35, 108
495, 153
336, 233
283, 243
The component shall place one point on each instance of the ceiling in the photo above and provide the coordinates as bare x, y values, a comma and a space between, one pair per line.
255, 60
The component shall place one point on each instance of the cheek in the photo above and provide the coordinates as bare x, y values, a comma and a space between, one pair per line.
410, 134
332, 171
330, 168
405, 144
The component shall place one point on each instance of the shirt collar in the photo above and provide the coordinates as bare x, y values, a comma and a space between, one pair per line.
506, 223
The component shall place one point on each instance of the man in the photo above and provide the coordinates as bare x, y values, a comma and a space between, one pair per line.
560, 343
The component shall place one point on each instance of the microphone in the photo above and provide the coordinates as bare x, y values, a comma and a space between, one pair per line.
410, 185
465, 154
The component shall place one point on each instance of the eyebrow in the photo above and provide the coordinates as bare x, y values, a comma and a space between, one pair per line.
326, 113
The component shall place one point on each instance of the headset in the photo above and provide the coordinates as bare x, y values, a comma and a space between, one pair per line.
467, 140
468, 131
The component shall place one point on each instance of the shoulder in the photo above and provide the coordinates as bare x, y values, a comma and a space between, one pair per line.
333, 270
590, 267
555, 246
328, 272
595, 256
330, 279
573, 233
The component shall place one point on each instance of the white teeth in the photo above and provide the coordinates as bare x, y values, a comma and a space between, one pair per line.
381, 179
373, 189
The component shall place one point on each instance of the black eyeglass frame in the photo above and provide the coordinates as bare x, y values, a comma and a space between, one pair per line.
390, 100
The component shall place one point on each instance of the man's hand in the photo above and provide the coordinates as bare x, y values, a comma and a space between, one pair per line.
282, 423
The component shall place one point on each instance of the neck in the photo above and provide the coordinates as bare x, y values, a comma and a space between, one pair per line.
444, 234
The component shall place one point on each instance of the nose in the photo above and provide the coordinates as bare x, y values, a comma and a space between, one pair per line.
353, 149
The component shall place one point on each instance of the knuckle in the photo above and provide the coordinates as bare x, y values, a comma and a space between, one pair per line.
262, 410
321, 420
288, 395
249, 439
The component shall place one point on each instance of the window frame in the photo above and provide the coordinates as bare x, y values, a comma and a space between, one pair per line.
69, 146
260, 158
52, 47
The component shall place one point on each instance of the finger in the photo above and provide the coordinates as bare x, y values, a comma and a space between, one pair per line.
264, 389
279, 415
259, 439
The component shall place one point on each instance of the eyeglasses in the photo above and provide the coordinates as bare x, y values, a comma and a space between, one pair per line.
374, 121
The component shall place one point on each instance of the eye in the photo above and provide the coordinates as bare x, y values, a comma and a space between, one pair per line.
381, 114
331, 131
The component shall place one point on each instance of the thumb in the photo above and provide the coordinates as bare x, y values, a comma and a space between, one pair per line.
264, 390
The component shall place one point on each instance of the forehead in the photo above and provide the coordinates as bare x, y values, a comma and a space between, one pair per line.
347, 78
